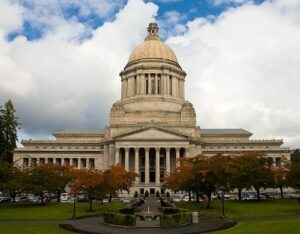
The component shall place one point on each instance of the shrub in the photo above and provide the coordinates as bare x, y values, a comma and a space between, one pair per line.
167, 194
181, 218
171, 210
119, 219
127, 210
146, 193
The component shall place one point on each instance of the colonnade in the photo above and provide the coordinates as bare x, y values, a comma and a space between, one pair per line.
88, 163
153, 84
149, 162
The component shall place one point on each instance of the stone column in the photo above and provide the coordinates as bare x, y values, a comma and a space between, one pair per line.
63, 161
149, 84
142, 84
87, 163
79, 163
157, 166
117, 156
183, 93
147, 165
187, 153
136, 163
127, 159
122, 88
128, 87
138, 84
168, 163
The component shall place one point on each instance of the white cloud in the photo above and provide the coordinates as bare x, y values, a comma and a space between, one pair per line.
72, 83
220, 2
244, 67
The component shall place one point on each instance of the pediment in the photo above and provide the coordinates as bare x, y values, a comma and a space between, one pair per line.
152, 134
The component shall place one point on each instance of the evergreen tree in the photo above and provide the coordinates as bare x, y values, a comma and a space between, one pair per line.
2, 140
9, 126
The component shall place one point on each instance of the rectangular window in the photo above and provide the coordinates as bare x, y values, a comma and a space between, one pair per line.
147, 84
135, 86
158, 85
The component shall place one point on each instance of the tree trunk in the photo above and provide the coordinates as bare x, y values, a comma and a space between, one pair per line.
208, 200
42, 198
281, 191
91, 203
223, 205
110, 196
190, 197
13, 194
240, 194
58, 195
257, 194
197, 197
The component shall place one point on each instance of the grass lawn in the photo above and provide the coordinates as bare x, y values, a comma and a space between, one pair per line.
289, 226
31, 229
243, 209
51, 211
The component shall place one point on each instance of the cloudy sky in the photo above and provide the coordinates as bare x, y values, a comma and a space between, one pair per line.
60, 60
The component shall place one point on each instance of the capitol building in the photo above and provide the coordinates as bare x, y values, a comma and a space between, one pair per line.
150, 127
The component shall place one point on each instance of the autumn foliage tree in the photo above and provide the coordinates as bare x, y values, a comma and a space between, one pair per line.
89, 182
181, 178
42, 178
11, 179
116, 178
280, 174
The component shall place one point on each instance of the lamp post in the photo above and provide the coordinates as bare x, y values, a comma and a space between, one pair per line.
74, 207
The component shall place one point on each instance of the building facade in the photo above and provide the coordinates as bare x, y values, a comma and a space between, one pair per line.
150, 127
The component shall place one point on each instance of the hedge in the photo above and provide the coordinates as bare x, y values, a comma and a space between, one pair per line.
119, 219
171, 210
178, 219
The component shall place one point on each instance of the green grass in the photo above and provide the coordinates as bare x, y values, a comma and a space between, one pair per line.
51, 211
289, 226
244, 209
31, 229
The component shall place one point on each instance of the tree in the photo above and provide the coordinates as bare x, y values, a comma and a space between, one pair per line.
2, 139
240, 176
89, 182
181, 178
293, 176
118, 179
44, 178
295, 156
280, 174
221, 172
257, 169
9, 125
11, 179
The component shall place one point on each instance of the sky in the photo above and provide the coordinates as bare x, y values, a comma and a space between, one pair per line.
60, 61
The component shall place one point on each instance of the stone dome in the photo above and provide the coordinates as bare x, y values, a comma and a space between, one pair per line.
152, 47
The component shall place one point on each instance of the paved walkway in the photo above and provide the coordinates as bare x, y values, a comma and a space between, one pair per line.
95, 225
